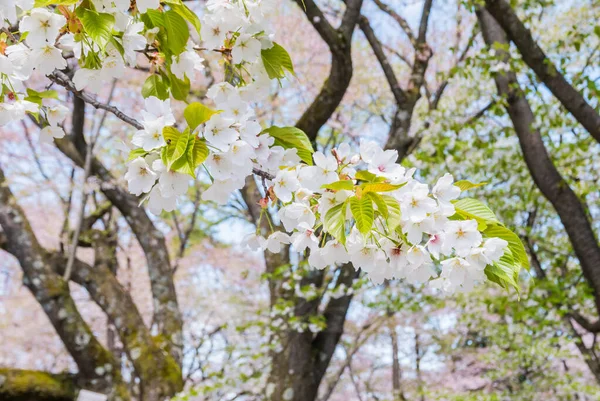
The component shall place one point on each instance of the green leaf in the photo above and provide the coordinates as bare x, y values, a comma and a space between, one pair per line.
196, 113
503, 272
362, 210
186, 13
155, 86
198, 153
37, 97
170, 134
465, 185
179, 89
135, 153
394, 214
292, 137
380, 187
46, 3
335, 222
382, 207
180, 147
177, 32
154, 18
277, 61
97, 25
364, 175
339, 185
470, 208
514, 243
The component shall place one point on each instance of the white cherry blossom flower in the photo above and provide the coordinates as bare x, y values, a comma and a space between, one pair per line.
247, 48
304, 238
42, 27
219, 132
140, 177
286, 182
57, 114
462, 236
151, 136
48, 133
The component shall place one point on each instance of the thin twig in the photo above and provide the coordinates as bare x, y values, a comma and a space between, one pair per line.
86, 174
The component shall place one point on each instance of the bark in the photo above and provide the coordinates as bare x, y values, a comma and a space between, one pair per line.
396, 369
570, 209
167, 315
406, 99
97, 367
546, 71
27, 385
339, 41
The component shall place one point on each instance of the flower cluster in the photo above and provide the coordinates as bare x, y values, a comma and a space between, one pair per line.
341, 205
408, 228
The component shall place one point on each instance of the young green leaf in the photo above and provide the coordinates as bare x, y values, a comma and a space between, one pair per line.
394, 215
380, 187
292, 137
177, 32
135, 153
365, 175
339, 185
465, 185
180, 89
196, 113
382, 207
97, 25
277, 61
335, 222
180, 147
503, 272
185, 12
362, 210
514, 243
470, 208
155, 86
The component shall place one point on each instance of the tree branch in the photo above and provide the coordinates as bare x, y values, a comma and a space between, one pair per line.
545, 175
546, 71
52, 292
20, 385
340, 74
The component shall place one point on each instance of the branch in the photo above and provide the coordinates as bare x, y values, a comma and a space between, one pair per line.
397, 91
545, 175
19, 385
546, 71
340, 74
398, 18
63, 80
52, 293
335, 315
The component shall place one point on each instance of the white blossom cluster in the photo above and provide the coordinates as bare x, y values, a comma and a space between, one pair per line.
427, 237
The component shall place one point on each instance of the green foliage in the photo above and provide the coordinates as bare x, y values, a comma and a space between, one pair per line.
339, 185
277, 61
184, 151
292, 138
470, 208
196, 113
363, 213
156, 86
335, 222
97, 25
180, 8
177, 32
37, 97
